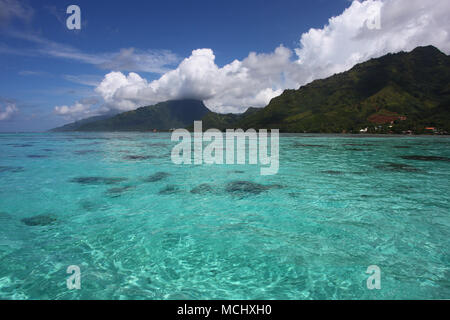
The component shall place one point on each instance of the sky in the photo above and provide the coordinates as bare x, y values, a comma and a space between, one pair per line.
230, 54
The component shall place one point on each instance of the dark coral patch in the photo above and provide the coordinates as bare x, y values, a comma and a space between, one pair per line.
397, 167
11, 169
20, 145
117, 192
426, 158
245, 187
202, 189
36, 156
333, 172
359, 144
40, 220
135, 157
310, 145
157, 177
89, 205
354, 149
97, 180
84, 152
359, 173
170, 189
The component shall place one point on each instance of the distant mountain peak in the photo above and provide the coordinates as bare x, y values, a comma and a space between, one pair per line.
162, 116
427, 49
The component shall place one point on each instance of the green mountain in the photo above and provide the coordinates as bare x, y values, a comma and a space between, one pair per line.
394, 93
224, 121
162, 117
404, 90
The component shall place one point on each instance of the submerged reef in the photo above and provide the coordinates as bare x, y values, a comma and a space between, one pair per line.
247, 188
397, 167
37, 156
137, 157
333, 172
426, 158
169, 189
97, 180
11, 169
157, 177
40, 220
117, 192
202, 189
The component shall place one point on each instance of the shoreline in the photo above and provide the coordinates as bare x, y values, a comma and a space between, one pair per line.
367, 135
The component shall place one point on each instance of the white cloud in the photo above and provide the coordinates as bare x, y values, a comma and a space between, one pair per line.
345, 41
251, 82
126, 59
31, 73
9, 110
120, 92
13, 9
155, 61
80, 110
84, 79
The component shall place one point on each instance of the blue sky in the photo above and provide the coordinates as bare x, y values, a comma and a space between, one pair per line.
44, 65
231, 28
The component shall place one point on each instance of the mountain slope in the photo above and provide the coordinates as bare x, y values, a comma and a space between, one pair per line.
394, 93
411, 89
162, 116
221, 121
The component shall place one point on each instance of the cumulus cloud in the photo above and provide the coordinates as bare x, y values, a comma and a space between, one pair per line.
251, 82
344, 41
347, 40
7, 111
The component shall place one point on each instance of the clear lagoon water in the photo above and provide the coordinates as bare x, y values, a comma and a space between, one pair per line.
140, 227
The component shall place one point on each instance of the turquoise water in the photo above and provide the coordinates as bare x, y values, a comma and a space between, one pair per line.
140, 227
